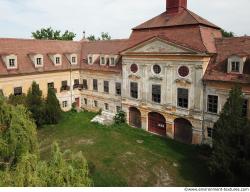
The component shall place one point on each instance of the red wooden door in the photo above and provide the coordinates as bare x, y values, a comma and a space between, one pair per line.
183, 131
135, 117
157, 123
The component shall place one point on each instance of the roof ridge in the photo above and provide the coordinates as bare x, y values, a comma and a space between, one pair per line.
48, 40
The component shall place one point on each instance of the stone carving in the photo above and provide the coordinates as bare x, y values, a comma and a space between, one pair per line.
183, 81
156, 78
134, 77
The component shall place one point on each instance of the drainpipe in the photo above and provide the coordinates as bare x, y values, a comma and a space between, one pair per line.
203, 112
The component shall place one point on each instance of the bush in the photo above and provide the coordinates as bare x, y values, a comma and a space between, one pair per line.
17, 100
120, 117
73, 108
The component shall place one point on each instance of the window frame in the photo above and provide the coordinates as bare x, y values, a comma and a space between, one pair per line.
156, 97
118, 88
134, 90
18, 91
183, 98
212, 103
106, 86
95, 84
64, 104
12, 63
85, 84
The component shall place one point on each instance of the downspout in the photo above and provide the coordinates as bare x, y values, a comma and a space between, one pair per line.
203, 113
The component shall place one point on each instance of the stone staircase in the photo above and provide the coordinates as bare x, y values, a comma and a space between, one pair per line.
106, 118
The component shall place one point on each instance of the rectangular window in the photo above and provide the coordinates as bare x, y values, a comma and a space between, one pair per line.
106, 106
73, 60
235, 66
212, 104
103, 60
112, 61
209, 132
134, 90
85, 84
18, 91
85, 101
39, 61
106, 86
245, 108
51, 85
95, 103
76, 82
95, 85
90, 60
118, 88
58, 60
182, 98
65, 104
156, 93
12, 63
64, 83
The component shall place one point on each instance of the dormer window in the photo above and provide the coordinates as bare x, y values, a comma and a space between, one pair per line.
73, 60
103, 61
235, 66
90, 60
39, 61
58, 60
112, 63
12, 63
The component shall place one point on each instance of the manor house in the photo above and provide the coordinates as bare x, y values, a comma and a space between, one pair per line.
172, 75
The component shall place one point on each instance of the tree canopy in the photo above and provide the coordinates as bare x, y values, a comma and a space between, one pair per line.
227, 33
104, 36
20, 163
51, 34
230, 160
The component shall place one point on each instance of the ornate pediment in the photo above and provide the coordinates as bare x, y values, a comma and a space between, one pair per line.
183, 81
157, 45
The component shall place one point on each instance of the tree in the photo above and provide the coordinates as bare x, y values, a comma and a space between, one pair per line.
35, 104
50, 34
120, 117
230, 159
17, 99
104, 36
62, 170
227, 33
17, 133
52, 108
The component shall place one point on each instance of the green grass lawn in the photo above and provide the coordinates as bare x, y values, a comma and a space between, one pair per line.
125, 156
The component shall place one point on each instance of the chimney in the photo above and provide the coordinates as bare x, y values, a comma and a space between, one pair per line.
176, 6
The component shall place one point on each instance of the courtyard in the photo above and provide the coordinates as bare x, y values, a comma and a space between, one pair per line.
125, 156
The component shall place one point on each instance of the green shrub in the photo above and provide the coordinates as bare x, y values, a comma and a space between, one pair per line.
120, 117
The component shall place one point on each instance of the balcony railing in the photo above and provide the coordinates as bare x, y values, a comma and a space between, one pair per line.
65, 88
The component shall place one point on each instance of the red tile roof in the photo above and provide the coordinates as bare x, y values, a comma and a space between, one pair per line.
23, 47
185, 17
226, 47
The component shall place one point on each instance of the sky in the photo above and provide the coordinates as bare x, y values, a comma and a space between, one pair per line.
18, 18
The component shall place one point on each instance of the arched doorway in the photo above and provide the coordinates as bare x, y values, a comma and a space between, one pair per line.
134, 117
183, 131
157, 123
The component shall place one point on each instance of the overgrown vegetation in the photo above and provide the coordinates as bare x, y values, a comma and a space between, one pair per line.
230, 160
20, 164
43, 111
51, 34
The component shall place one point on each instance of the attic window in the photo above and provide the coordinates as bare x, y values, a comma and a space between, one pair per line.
12, 62
58, 60
90, 61
103, 61
112, 61
235, 66
73, 60
39, 61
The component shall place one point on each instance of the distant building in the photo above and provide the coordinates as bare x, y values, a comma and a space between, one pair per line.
172, 76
